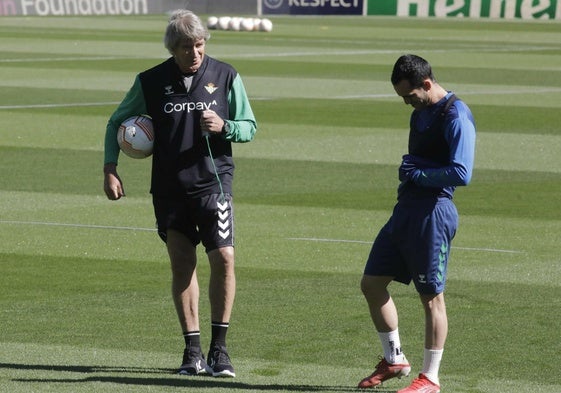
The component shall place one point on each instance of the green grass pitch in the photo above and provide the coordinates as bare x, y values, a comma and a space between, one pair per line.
84, 285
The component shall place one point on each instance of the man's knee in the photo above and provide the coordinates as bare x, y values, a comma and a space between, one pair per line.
374, 286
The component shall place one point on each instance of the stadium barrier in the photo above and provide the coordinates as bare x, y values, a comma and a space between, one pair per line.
475, 9
121, 7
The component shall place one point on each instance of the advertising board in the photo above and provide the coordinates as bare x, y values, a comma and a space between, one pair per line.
76, 7
493, 9
312, 7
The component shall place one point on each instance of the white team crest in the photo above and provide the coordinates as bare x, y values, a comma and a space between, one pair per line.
211, 87
168, 90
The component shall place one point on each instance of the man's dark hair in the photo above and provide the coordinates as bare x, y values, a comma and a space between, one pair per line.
412, 68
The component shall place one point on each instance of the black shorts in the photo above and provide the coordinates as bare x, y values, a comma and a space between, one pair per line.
208, 219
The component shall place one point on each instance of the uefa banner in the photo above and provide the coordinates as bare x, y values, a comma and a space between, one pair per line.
493, 9
312, 7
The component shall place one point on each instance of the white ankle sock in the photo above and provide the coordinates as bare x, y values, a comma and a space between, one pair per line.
431, 364
392, 346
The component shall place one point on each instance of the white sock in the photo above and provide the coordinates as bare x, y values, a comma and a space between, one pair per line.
392, 346
431, 364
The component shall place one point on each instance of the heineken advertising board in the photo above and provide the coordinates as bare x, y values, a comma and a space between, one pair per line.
494, 9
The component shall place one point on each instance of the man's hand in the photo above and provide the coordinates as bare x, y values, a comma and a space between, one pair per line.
408, 169
112, 184
211, 122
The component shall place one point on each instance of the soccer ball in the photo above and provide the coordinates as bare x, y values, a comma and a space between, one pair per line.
247, 24
212, 22
136, 137
266, 25
223, 23
235, 23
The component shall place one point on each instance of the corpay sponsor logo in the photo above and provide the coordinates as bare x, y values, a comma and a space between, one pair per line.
170, 107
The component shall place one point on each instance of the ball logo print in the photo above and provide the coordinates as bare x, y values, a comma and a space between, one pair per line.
273, 4
136, 137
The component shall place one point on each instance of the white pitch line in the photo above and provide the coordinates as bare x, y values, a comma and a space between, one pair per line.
91, 58
83, 104
343, 97
38, 106
89, 226
538, 91
298, 54
312, 239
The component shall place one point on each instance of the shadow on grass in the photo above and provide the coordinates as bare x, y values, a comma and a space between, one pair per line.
199, 382
85, 369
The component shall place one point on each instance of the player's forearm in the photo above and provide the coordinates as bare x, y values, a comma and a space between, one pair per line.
111, 151
455, 175
241, 130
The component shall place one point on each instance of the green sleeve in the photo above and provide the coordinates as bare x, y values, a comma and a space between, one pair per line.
242, 121
133, 104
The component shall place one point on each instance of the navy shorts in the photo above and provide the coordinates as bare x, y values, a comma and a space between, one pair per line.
208, 219
415, 244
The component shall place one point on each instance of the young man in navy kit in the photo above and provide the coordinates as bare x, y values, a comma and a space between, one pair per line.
414, 245
198, 106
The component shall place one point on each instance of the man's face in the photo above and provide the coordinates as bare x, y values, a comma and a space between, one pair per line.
189, 55
418, 98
